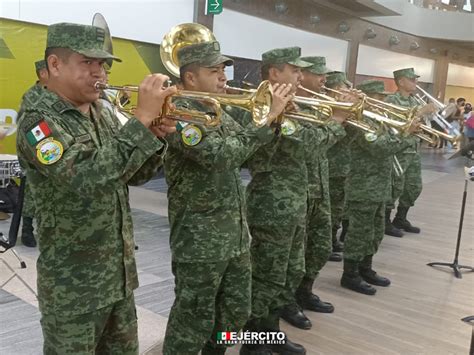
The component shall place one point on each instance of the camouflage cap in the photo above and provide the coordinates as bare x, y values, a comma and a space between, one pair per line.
373, 87
318, 65
83, 39
407, 72
40, 64
336, 78
205, 54
289, 55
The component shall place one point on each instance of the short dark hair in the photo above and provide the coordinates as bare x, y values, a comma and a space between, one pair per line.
62, 53
265, 70
191, 67
461, 99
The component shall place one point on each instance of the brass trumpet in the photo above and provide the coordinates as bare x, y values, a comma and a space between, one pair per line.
257, 102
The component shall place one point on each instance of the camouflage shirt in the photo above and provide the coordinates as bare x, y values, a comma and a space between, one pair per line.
339, 157
410, 101
278, 191
316, 156
78, 169
371, 165
206, 203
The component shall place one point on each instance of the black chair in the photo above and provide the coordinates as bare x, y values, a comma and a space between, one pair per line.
470, 320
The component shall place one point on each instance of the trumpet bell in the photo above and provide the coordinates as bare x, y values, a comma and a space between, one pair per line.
181, 36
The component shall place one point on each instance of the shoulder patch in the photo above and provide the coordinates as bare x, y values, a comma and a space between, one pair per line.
49, 151
370, 137
38, 133
191, 135
288, 127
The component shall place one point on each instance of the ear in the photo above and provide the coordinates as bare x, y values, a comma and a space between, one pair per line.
190, 79
273, 74
54, 63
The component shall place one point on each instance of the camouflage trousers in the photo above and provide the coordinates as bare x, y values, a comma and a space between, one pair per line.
109, 330
318, 236
277, 268
366, 229
210, 298
337, 192
28, 206
407, 187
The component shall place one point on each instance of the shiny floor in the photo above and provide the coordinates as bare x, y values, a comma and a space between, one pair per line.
420, 313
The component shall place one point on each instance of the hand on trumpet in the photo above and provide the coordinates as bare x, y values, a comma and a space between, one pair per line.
413, 127
427, 109
151, 99
282, 95
349, 96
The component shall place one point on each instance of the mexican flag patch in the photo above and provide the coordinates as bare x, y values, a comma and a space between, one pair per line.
38, 133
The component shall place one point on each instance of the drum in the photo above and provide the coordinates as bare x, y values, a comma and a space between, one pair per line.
9, 169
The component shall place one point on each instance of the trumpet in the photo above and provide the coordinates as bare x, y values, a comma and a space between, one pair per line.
319, 116
356, 109
257, 102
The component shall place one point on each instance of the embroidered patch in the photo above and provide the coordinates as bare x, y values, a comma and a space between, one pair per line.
370, 137
38, 133
49, 151
191, 135
288, 127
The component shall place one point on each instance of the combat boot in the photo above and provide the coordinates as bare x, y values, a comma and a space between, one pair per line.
337, 246
306, 299
335, 257
353, 281
289, 348
369, 275
27, 236
294, 315
400, 221
345, 227
390, 228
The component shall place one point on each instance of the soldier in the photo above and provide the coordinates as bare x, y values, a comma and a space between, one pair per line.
78, 165
367, 188
339, 158
209, 233
277, 205
318, 218
27, 229
407, 187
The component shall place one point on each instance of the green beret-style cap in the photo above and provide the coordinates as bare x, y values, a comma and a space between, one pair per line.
289, 55
318, 65
407, 72
373, 87
336, 78
205, 54
83, 39
40, 64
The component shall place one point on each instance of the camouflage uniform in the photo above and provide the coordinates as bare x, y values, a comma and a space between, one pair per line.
209, 233
277, 206
78, 169
318, 219
339, 157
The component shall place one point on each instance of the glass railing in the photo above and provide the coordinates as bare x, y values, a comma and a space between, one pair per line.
445, 5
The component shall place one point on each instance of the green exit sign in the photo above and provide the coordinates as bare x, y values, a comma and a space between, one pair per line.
213, 7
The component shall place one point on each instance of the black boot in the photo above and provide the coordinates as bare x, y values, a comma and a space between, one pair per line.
308, 300
389, 227
27, 236
337, 246
253, 325
335, 257
289, 348
400, 221
294, 315
369, 275
345, 227
353, 281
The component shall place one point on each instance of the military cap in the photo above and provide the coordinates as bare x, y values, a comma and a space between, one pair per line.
407, 72
335, 78
206, 54
83, 39
289, 55
372, 87
318, 65
40, 64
